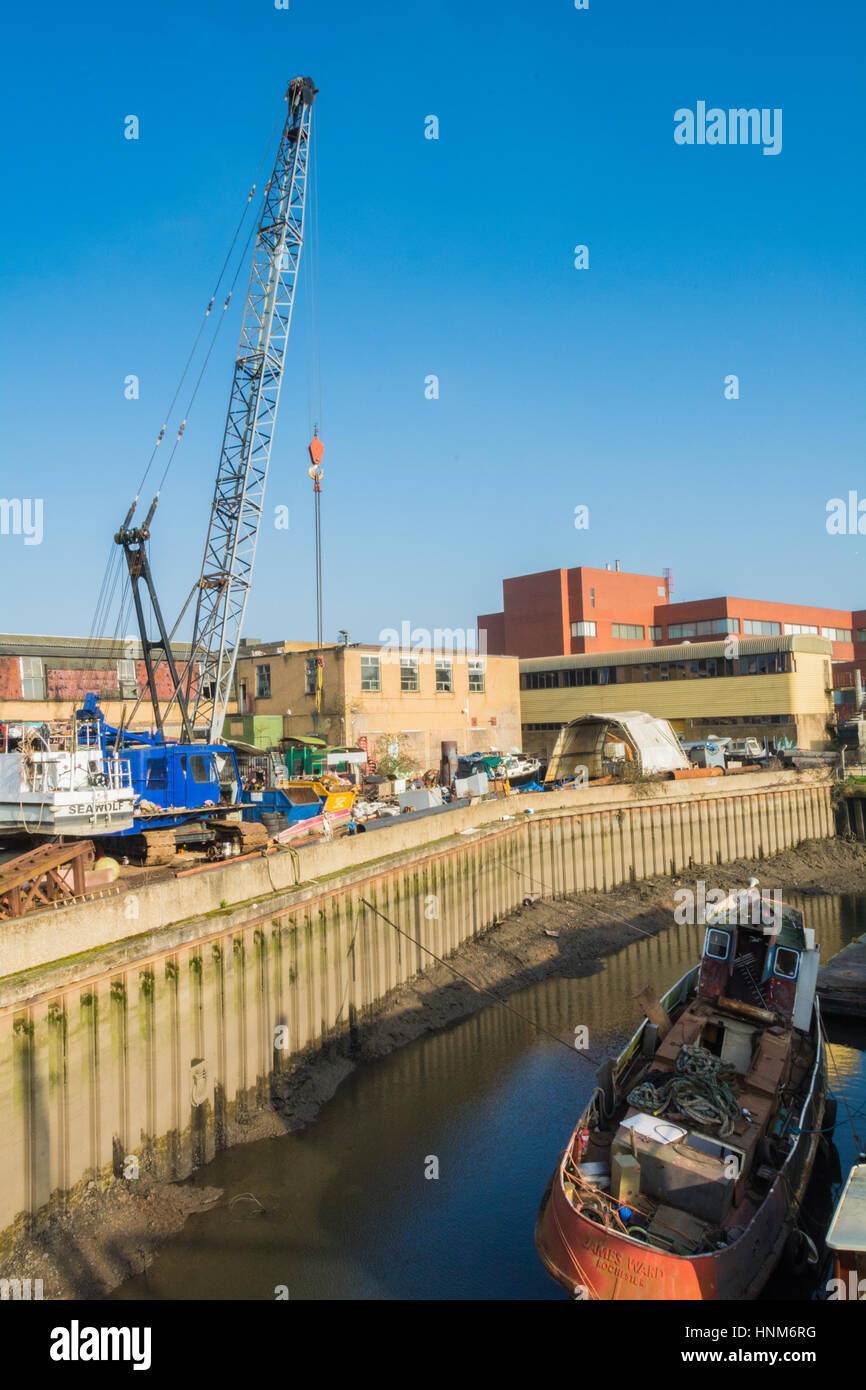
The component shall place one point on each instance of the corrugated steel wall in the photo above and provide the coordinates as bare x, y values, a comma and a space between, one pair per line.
161, 1061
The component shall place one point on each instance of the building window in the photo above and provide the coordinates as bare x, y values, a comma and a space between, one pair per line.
861, 634
755, 628
126, 679
444, 683
408, 674
655, 634
696, 668
32, 678
583, 629
800, 630
837, 634
592, 598
476, 678
370, 673
539, 680
310, 676
627, 632
263, 682
707, 627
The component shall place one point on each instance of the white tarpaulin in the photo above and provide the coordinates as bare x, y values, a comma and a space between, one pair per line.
581, 743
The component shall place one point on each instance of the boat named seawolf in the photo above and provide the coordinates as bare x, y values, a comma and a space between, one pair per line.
685, 1174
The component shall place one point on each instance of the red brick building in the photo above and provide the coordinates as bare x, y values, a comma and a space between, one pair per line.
566, 612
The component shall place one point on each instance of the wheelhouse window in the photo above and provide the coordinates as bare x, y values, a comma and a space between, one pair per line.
717, 944
786, 963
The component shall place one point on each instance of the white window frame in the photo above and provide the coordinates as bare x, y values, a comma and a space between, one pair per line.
444, 664
366, 686
409, 667
32, 674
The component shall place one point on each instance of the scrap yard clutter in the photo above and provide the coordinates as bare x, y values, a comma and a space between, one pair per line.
214, 828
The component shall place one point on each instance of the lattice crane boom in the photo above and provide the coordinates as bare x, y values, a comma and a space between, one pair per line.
236, 512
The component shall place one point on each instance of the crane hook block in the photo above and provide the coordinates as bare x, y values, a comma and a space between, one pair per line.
316, 450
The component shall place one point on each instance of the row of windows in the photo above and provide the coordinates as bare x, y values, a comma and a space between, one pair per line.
754, 627
371, 675
760, 664
33, 673
709, 627
623, 632
715, 724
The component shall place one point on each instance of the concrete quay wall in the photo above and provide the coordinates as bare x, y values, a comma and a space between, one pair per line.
149, 1044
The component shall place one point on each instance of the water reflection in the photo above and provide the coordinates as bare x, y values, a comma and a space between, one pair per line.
348, 1212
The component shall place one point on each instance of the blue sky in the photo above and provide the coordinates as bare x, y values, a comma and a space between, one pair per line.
453, 257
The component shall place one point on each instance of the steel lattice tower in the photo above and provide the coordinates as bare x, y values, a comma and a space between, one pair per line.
230, 549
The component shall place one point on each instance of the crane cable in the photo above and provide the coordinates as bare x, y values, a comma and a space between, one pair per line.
113, 570
105, 598
207, 311
253, 231
483, 989
310, 271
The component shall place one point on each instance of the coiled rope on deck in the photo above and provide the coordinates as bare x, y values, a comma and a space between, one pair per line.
702, 1090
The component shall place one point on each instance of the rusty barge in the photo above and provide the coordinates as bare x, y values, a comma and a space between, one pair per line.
686, 1172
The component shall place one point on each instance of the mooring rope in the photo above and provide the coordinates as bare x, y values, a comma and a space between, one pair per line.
703, 1090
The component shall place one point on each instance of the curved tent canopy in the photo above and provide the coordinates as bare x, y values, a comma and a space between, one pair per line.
648, 741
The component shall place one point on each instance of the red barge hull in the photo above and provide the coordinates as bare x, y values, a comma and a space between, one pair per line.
591, 1261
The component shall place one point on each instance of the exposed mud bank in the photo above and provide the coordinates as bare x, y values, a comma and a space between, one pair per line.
111, 1229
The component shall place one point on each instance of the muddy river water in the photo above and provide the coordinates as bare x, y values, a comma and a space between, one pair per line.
421, 1178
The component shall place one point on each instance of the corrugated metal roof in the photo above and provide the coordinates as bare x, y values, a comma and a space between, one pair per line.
34, 644
689, 651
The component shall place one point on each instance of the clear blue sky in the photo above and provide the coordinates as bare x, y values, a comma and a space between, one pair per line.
454, 257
